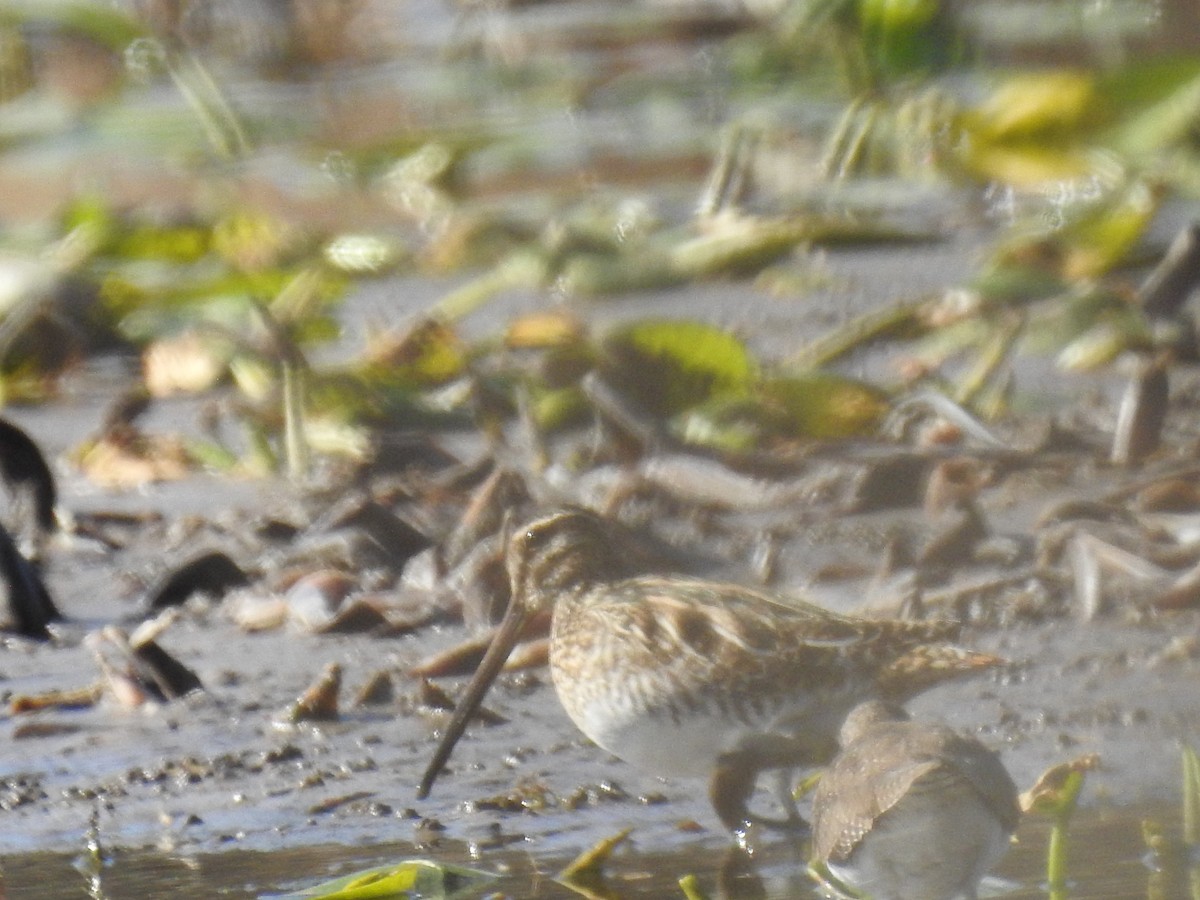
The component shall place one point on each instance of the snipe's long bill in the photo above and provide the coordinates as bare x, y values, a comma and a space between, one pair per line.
686, 677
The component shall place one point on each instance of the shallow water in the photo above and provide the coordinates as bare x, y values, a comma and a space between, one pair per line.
1106, 860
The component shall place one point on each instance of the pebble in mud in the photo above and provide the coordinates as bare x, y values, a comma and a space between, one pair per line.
593, 794
20, 791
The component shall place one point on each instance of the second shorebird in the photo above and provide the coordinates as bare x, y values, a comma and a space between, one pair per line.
687, 677
911, 810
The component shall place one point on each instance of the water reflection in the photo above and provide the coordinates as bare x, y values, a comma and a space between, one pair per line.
1107, 860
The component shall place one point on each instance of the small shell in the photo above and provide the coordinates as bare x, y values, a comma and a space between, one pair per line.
377, 691
320, 702
253, 611
314, 600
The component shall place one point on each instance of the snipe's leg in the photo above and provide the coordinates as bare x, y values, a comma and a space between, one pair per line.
731, 785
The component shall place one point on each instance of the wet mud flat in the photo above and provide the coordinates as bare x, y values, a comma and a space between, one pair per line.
224, 772
222, 779
224, 776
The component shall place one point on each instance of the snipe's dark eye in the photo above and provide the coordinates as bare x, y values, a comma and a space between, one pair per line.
536, 537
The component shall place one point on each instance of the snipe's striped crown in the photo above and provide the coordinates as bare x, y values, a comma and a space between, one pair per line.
562, 552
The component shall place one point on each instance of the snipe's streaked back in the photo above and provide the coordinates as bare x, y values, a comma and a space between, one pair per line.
911, 810
682, 676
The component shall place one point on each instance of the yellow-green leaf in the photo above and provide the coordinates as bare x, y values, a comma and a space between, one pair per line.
735, 244
1037, 105
1027, 163
1158, 101
558, 407
905, 36
427, 353
823, 405
670, 365
595, 274
412, 879
1101, 237
111, 28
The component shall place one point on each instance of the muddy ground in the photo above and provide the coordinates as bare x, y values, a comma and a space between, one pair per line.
218, 771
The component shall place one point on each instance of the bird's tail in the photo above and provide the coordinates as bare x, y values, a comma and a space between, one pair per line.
925, 665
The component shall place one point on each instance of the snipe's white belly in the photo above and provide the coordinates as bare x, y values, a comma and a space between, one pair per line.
639, 719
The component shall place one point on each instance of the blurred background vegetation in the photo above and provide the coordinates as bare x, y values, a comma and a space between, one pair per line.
194, 189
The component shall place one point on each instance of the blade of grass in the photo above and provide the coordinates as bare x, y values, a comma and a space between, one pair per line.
202, 93
295, 443
691, 888
1191, 817
1191, 796
1056, 852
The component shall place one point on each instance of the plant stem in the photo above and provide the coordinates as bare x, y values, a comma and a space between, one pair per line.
295, 445
1056, 853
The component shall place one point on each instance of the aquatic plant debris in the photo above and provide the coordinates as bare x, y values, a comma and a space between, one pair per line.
585, 873
415, 879
1056, 794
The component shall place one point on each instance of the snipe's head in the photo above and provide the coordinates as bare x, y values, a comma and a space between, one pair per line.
559, 553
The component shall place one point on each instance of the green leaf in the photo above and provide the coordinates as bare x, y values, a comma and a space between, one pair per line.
164, 243
1034, 127
907, 36
824, 405
670, 365
559, 407
730, 424
813, 405
412, 879
97, 21
91, 212
425, 354
1038, 106
1157, 102
1191, 796
590, 862
690, 886
1011, 281
1098, 238
1087, 238
596, 274
733, 245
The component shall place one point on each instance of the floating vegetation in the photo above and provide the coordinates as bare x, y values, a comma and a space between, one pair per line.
585, 874
417, 879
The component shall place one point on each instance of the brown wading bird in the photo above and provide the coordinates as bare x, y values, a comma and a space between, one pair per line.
911, 810
681, 676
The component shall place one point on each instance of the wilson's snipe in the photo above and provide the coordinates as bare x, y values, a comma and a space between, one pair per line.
910, 810
688, 677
